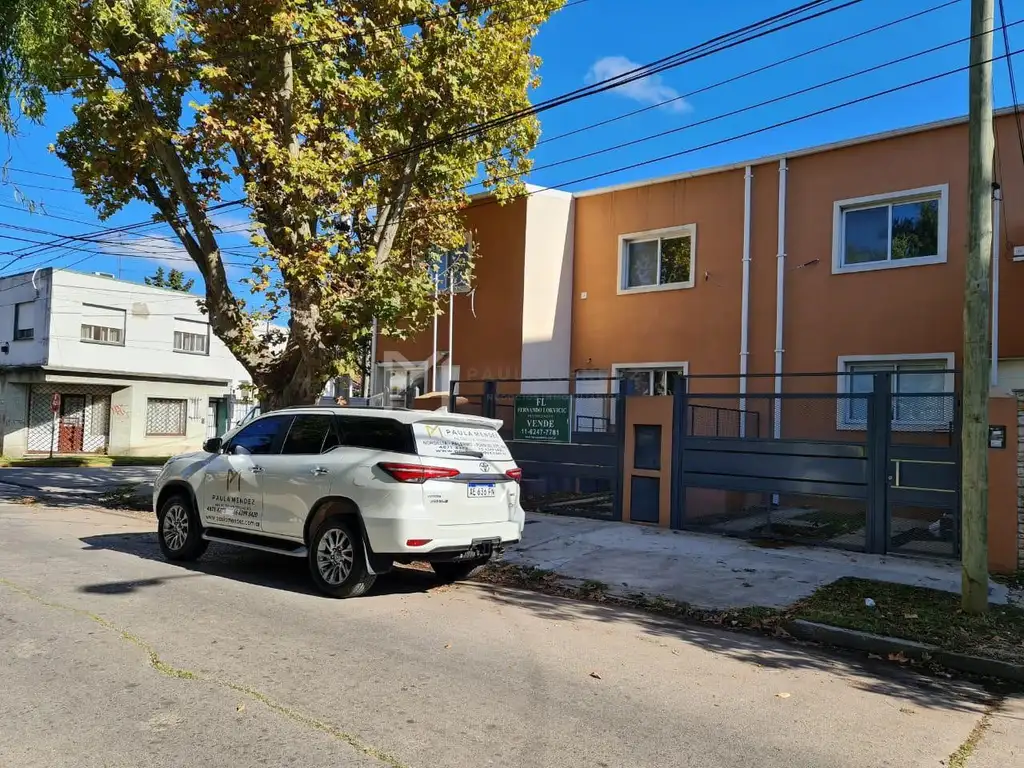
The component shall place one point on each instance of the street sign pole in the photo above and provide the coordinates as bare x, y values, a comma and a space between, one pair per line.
54, 410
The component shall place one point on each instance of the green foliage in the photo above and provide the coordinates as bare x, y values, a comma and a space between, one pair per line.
175, 280
315, 106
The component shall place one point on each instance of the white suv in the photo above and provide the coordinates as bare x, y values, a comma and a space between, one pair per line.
353, 490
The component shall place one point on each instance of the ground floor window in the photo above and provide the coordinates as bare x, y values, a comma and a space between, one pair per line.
166, 417
651, 380
922, 389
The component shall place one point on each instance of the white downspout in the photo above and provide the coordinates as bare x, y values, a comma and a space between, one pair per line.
433, 354
745, 301
451, 331
780, 285
373, 359
997, 209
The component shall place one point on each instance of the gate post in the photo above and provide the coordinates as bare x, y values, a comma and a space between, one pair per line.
680, 406
452, 406
879, 429
620, 447
490, 398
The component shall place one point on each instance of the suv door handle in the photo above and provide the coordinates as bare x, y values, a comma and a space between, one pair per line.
318, 471
256, 470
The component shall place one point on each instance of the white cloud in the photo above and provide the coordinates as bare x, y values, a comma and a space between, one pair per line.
649, 90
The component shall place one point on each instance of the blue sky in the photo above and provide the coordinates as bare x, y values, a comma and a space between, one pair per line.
598, 38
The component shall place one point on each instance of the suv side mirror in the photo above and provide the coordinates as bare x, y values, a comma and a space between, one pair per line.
213, 445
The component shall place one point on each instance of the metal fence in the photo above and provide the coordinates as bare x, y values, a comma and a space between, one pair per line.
564, 433
870, 468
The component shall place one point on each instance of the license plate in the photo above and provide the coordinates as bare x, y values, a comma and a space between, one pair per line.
480, 491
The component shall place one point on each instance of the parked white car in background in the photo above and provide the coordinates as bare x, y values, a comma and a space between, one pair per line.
352, 490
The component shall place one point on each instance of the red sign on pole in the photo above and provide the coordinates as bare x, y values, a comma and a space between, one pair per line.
55, 402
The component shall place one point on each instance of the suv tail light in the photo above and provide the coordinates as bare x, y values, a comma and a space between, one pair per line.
516, 474
416, 473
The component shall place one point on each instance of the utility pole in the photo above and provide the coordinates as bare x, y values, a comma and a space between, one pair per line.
977, 349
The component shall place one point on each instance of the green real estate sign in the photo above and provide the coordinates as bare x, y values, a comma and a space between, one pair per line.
542, 418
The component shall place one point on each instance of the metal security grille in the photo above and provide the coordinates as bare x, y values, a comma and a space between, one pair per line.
83, 419
165, 416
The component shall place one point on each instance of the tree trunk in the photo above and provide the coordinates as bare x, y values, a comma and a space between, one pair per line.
295, 379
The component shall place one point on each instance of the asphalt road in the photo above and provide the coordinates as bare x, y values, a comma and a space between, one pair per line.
111, 657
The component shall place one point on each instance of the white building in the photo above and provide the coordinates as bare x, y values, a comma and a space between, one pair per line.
90, 364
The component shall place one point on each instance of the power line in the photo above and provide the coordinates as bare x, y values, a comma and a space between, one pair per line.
751, 107
1013, 84
736, 137
723, 42
751, 72
674, 60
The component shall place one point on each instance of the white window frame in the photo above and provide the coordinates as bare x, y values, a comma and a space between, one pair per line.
840, 207
656, 234
617, 367
943, 360
181, 326
91, 340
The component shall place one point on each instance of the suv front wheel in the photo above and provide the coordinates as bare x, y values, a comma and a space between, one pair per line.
179, 529
336, 559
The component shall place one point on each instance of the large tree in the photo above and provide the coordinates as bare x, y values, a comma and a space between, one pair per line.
330, 113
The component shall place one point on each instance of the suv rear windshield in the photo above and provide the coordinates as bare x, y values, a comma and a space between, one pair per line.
441, 439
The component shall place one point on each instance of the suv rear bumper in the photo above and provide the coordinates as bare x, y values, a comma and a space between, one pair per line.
391, 536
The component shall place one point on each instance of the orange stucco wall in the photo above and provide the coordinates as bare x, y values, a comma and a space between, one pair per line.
889, 311
488, 344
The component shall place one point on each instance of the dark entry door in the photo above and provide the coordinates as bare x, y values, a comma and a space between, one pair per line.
71, 432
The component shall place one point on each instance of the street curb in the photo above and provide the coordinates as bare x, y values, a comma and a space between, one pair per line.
881, 645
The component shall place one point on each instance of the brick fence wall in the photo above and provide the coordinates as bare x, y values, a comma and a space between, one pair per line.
1020, 478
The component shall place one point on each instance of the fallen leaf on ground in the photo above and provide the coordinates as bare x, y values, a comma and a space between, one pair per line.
595, 675
898, 657
240, 708
910, 616
447, 645
782, 695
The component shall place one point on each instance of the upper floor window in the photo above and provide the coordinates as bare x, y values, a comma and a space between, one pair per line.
902, 229
451, 271
191, 337
24, 322
657, 260
102, 325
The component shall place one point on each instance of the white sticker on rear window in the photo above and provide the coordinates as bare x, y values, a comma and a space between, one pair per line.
449, 440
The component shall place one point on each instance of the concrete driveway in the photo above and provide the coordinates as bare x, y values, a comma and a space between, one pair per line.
116, 658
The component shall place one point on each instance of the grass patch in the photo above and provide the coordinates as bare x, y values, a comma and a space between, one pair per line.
917, 613
86, 461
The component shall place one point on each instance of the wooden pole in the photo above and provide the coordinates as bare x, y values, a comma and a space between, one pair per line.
977, 305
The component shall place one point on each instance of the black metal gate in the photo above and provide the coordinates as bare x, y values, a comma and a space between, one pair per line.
873, 470
580, 472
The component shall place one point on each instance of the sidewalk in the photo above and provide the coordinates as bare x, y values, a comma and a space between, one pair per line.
1002, 745
706, 571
